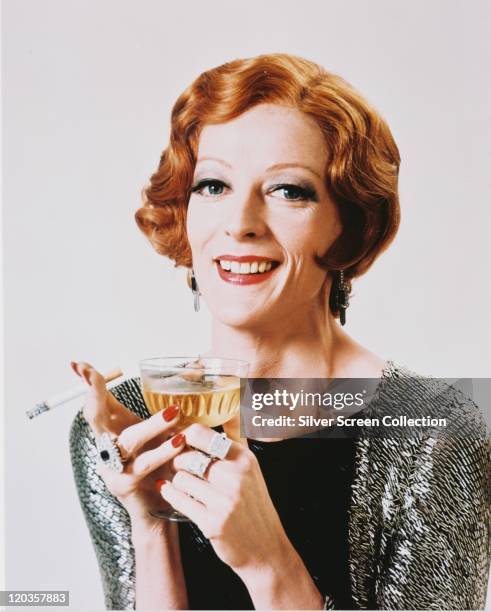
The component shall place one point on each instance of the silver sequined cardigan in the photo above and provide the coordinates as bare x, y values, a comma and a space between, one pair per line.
419, 512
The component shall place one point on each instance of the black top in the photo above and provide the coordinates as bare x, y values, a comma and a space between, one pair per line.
309, 481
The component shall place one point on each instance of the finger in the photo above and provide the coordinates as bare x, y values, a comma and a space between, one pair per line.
95, 409
214, 473
136, 436
198, 489
221, 474
200, 437
91, 376
102, 410
188, 506
151, 460
97, 391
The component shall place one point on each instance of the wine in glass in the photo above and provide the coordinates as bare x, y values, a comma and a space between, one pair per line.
206, 389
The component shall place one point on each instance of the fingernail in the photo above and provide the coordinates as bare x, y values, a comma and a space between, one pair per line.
171, 412
178, 440
159, 484
73, 365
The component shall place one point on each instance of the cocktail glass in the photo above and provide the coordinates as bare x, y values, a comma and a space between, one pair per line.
206, 389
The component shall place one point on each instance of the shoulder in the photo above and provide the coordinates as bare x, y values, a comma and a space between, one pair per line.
404, 392
448, 451
421, 495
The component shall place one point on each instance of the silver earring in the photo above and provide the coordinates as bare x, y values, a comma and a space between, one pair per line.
195, 290
342, 297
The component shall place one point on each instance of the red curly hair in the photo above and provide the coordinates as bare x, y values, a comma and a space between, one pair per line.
361, 173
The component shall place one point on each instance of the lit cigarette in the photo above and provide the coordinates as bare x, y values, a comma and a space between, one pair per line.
66, 396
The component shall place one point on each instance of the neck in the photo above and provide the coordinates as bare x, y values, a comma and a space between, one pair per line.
305, 344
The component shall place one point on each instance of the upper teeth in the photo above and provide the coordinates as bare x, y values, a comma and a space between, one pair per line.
246, 268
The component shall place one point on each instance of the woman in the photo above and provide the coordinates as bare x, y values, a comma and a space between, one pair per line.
278, 187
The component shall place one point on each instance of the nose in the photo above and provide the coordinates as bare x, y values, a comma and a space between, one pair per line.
246, 217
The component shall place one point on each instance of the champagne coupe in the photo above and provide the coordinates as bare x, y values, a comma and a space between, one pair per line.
206, 389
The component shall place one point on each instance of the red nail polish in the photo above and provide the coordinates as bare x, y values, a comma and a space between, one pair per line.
170, 412
159, 484
178, 440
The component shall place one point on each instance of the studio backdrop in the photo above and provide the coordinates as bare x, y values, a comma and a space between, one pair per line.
87, 93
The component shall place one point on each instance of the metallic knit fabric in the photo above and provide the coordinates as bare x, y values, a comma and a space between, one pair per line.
419, 518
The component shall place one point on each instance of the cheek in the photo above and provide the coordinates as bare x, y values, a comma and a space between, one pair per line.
197, 222
315, 236
191, 222
328, 229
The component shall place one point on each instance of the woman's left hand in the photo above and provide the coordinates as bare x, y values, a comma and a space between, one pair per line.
231, 505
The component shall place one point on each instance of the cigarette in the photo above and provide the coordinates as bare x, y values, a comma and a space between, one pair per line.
67, 396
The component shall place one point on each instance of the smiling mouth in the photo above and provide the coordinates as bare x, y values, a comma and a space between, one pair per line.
253, 267
245, 272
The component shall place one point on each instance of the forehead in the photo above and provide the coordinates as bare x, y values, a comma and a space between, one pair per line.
267, 134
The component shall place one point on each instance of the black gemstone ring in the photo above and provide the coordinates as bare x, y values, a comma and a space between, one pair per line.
110, 452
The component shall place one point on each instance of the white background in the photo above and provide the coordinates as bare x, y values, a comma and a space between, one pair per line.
87, 92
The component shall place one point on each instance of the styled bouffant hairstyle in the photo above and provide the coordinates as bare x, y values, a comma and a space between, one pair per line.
362, 168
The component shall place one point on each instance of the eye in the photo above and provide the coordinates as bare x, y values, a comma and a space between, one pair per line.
294, 192
209, 187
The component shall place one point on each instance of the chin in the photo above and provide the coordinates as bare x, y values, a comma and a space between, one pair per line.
240, 316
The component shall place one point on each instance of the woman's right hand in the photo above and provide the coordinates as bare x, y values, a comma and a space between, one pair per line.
146, 443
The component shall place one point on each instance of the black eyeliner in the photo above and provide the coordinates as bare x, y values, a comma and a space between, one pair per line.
205, 182
306, 190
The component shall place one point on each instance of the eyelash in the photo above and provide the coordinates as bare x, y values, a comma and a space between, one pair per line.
305, 193
198, 188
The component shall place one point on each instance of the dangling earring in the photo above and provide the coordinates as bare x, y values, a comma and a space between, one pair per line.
342, 297
193, 285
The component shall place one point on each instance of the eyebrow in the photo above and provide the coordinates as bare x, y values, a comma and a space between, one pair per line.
215, 159
293, 165
273, 167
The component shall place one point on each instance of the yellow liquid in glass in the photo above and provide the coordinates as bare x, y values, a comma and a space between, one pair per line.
211, 402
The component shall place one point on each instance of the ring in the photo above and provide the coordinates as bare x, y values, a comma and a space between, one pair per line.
219, 446
199, 464
111, 452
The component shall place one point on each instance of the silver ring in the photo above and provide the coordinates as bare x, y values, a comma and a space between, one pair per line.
199, 464
219, 446
110, 452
